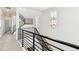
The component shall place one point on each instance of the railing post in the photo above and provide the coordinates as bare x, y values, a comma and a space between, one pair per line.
42, 44
33, 42
22, 39
19, 33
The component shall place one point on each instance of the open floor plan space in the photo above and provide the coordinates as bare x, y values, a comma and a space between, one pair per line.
39, 28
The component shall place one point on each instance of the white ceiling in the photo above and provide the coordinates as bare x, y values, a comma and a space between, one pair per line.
39, 8
13, 9
7, 11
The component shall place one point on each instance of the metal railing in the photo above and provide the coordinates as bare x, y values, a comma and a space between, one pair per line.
36, 42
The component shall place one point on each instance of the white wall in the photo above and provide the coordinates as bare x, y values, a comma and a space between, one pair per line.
67, 28
27, 13
13, 21
0, 22
0, 17
30, 13
17, 22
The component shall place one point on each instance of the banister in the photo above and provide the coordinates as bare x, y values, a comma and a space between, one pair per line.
58, 41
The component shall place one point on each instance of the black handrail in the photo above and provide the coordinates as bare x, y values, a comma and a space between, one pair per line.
58, 41
41, 40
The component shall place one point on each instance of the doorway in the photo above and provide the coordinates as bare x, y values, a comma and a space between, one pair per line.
7, 26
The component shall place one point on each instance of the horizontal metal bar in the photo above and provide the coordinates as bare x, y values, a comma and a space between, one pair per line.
40, 44
58, 41
31, 48
43, 46
35, 44
28, 37
28, 34
28, 42
52, 45
35, 48
32, 42
55, 46
28, 46
31, 39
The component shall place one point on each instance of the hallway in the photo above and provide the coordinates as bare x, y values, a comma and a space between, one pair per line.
8, 43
